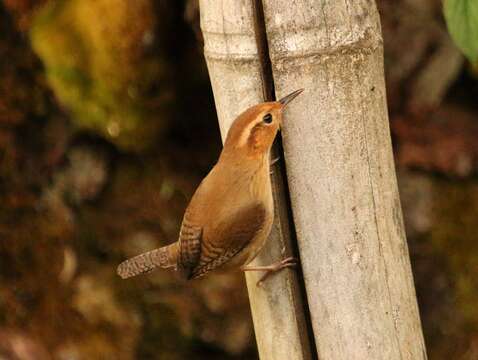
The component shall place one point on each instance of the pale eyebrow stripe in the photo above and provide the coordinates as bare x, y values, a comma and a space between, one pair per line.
246, 133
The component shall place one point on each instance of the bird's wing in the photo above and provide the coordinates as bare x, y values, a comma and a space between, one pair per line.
190, 238
235, 234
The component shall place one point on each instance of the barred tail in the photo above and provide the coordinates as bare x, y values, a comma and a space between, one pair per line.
163, 257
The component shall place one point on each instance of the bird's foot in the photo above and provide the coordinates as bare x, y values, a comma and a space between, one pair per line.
273, 268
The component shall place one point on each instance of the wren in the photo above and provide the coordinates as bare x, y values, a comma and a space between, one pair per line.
230, 215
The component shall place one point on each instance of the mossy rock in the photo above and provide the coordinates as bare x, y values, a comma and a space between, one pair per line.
101, 60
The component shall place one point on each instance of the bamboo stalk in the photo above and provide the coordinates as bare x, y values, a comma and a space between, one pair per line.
236, 68
342, 181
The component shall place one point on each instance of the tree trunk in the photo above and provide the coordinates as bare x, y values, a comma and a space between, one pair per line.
232, 47
342, 181
340, 174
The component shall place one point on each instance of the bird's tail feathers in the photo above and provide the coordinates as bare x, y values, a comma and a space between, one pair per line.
163, 257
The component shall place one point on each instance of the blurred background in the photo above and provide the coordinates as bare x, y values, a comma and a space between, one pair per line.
107, 125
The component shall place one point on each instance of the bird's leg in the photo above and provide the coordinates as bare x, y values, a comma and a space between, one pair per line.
271, 269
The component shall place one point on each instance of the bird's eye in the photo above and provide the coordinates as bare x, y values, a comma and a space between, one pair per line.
267, 118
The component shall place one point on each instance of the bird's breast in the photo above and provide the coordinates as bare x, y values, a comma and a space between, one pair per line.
261, 190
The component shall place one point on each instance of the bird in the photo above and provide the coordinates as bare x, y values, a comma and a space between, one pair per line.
230, 215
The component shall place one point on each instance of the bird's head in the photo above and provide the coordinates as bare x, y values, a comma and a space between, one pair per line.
253, 132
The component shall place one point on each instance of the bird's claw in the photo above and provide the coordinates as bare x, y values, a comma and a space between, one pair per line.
285, 263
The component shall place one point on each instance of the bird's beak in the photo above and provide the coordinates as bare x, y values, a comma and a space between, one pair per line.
287, 99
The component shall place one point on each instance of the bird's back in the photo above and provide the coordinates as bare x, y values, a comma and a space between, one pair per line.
234, 218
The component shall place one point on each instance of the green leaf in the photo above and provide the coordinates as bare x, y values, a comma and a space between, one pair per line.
462, 21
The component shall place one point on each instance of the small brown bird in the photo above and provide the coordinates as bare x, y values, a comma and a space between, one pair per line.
230, 215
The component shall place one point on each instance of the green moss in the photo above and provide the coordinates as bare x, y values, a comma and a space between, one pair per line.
98, 64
